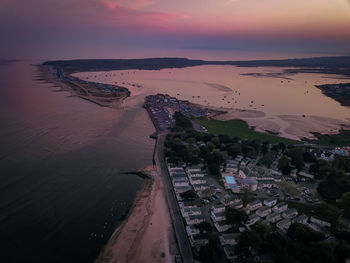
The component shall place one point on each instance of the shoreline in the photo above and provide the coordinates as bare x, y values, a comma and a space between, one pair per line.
146, 233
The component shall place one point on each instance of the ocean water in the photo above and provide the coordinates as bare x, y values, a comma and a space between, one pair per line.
264, 89
63, 187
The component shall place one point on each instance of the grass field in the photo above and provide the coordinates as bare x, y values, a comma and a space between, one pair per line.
239, 128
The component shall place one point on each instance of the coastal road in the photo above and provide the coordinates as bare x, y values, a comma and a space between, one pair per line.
178, 225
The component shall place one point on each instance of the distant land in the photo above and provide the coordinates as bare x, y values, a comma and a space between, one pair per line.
60, 71
328, 65
339, 92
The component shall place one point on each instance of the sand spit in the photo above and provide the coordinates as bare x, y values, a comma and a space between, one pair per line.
289, 126
218, 86
146, 236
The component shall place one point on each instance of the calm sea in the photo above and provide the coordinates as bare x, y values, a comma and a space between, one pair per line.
62, 187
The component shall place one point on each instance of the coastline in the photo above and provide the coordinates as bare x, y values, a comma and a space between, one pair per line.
146, 234
89, 91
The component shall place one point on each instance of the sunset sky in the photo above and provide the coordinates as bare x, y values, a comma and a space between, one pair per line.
92, 28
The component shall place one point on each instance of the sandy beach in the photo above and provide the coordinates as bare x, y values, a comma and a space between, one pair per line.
146, 236
288, 126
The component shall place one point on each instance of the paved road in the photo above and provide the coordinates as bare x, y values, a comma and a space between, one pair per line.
179, 227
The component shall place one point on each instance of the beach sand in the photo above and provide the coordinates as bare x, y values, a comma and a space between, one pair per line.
147, 235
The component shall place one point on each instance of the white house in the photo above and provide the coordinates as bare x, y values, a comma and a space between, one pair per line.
222, 226
228, 239
252, 219
273, 218
218, 216
319, 221
254, 205
194, 169
187, 211
198, 180
194, 219
290, 213
263, 211
280, 207
270, 201
191, 230
284, 224
302, 219
199, 240
218, 208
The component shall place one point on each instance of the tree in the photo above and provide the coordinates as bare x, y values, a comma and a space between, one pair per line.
283, 165
234, 150
327, 212
182, 121
235, 216
345, 203
211, 251
214, 169
303, 233
204, 227
296, 155
248, 242
189, 195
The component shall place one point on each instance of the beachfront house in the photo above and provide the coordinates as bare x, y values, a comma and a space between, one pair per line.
263, 211
280, 207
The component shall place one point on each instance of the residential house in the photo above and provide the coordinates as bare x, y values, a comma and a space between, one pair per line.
191, 230
194, 169
187, 211
252, 219
199, 240
218, 208
263, 211
302, 219
270, 201
194, 219
280, 207
228, 239
290, 213
319, 221
222, 226
254, 205
198, 180
266, 183
284, 224
218, 216
229, 252
274, 217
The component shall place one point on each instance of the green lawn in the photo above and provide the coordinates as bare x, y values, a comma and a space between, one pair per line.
239, 128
